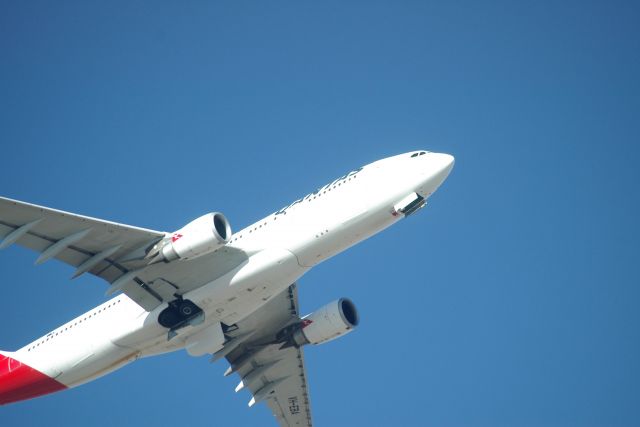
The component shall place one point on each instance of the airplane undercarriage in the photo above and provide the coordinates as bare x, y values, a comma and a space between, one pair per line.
180, 313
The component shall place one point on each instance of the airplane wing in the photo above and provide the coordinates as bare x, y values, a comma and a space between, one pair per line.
271, 373
109, 250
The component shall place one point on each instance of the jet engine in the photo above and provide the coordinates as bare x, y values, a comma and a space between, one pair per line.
200, 237
327, 323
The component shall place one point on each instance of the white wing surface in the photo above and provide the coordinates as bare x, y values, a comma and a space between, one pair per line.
273, 374
109, 250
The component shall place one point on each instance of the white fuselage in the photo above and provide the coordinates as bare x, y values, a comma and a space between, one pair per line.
280, 248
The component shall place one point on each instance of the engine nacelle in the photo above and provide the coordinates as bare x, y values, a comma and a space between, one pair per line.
200, 237
329, 322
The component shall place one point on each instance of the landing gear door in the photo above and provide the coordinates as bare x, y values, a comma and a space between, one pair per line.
410, 204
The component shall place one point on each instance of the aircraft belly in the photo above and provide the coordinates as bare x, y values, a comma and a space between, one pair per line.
239, 293
102, 359
227, 299
77, 359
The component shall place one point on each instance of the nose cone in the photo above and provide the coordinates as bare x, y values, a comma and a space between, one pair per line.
444, 162
434, 171
441, 165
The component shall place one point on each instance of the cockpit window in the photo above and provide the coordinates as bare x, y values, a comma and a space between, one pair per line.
422, 153
415, 154
419, 153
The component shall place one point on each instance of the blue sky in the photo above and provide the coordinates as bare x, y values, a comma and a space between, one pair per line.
512, 299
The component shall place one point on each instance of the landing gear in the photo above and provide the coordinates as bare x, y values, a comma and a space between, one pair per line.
187, 308
180, 313
169, 317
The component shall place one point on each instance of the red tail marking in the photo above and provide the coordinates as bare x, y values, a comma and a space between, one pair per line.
19, 381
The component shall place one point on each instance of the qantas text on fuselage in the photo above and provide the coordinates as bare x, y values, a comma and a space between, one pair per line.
207, 290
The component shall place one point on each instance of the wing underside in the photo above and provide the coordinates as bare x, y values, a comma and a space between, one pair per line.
102, 248
271, 373
114, 252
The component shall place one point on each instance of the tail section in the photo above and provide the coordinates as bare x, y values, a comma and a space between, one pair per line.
20, 382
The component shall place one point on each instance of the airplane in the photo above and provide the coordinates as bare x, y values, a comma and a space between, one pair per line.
207, 290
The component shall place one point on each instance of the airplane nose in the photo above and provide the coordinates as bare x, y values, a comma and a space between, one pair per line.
437, 169
442, 163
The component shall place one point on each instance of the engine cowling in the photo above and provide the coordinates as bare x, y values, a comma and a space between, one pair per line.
327, 323
200, 237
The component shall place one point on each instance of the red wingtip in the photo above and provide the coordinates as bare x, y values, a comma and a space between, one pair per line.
20, 382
